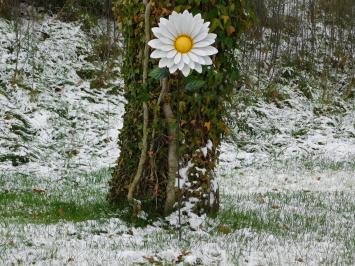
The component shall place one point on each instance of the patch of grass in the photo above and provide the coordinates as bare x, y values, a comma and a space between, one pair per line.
312, 163
299, 133
28, 199
32, 207
292, 215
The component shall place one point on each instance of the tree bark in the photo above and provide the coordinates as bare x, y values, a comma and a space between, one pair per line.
151, 182
172, 153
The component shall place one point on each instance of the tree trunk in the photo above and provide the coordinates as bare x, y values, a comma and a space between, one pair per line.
148, 178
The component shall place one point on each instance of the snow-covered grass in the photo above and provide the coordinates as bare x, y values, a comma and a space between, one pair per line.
286, 176
263, 220
52, 121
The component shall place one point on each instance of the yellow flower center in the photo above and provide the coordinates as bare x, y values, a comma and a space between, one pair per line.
183, 44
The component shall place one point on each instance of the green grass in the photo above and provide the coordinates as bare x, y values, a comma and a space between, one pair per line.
23, 201
291, 214
30, 207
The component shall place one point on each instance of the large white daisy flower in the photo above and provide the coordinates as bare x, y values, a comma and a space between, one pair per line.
183, 43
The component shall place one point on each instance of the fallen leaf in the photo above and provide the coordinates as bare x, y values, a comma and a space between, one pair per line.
225, 229
39, 190
261, 200
183, 254
230, 30
300, 259
149, 258
61, 211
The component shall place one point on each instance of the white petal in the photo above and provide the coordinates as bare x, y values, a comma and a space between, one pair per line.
192, 64
186, 22
164, 21
202, 35
193, 57
197, 58
177, 58
197, 26
181, 65
171, 54
198, 68
209, 50
166, 33
168, 29
167, 48
170, 62
156, 43
186, 70
212, 36
205, 42
186, 59
162, 32
205, 27
201, 60
156, 32
163, 62
193, 25
199, 52
180, 24
207, 60
158, 54
173, 25
173, 69
166, 40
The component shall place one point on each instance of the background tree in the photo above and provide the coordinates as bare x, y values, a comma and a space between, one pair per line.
201, 100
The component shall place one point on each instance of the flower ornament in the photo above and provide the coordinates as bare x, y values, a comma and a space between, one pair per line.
184, 43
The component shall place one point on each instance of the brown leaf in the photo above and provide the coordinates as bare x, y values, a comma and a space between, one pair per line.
39, 190
149, 258
300, 259
230, 30
183, 254
208, 125
61, 211
275, 206
224, 228
261, 200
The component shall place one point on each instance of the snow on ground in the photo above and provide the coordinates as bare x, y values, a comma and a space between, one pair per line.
289, 205
52, 122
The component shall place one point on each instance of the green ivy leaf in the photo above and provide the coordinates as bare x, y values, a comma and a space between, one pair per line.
159, 73
195, 85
